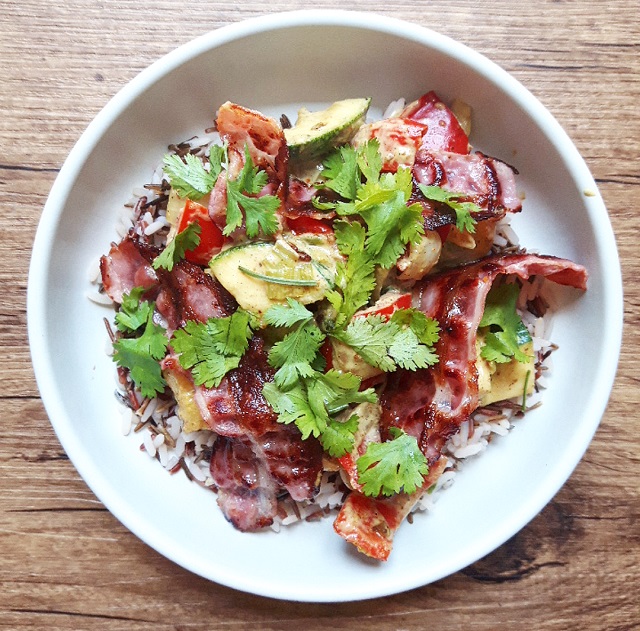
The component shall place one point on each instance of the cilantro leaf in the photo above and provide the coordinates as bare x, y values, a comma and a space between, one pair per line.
188, 239
355, 278
369, 160
354, 281
295, 353
463, 210
292, 406
392, 467
259, 212
341, 172
426, 329
217, 158
211, 349
188, 176
312, 401
338, 437
141, 355
391, 225
287, 315
338, 390
392, 344
506, 332
133, 313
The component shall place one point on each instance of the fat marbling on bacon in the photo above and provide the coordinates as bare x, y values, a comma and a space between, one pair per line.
432, 403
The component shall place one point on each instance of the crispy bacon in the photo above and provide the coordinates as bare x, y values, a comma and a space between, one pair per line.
246, 490
128, 265
431, 404
485, 181
238, 411
262, 135
185, 293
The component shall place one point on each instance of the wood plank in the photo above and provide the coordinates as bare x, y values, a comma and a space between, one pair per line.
67, 563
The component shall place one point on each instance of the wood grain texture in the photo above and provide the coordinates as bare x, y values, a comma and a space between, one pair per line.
66, 563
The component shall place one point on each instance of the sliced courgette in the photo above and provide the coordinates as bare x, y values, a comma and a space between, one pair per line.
315, 133
262, 274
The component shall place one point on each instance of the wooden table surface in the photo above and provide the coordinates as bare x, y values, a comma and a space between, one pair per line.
66, 563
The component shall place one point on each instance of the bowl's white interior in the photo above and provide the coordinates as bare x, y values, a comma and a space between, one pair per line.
274, 64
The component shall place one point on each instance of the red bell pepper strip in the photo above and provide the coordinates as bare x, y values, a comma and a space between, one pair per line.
211, 237
444, 132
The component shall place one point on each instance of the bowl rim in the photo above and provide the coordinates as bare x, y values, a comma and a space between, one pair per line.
366, 21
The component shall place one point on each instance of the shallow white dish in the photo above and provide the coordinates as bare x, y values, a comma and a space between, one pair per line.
315, 57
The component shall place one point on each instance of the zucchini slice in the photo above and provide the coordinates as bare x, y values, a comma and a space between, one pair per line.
315, 133
261, 274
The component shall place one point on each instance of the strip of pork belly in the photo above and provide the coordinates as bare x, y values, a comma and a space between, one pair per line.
247, 492
238, 411
185, 293
431, 404
485, 181
128, 265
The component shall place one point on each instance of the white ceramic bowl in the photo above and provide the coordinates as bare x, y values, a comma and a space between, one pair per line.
275, 63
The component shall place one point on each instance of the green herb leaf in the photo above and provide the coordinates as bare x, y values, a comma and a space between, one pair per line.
369, 160
338, 436
188, 239
188, 177
505, 332
391, 225
341, 172
287, 315
464, 210
295, 353
211, 349
217, 160
259, 212
392, 344
133, 313
141, 355
312, 402
392, 467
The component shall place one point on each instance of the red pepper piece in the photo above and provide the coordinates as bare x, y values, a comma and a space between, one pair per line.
211, 237
444, 132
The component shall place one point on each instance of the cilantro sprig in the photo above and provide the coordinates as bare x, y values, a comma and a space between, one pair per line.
188, 239
464, 210
380, 199
189, 177
404, 341
211, 349
506, 333
133, 312
355, 278
301, 392
392, 467
257, 212
141, 355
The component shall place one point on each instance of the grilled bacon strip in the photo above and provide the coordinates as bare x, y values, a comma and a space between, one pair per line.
431, 404
255, 459
238, 412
